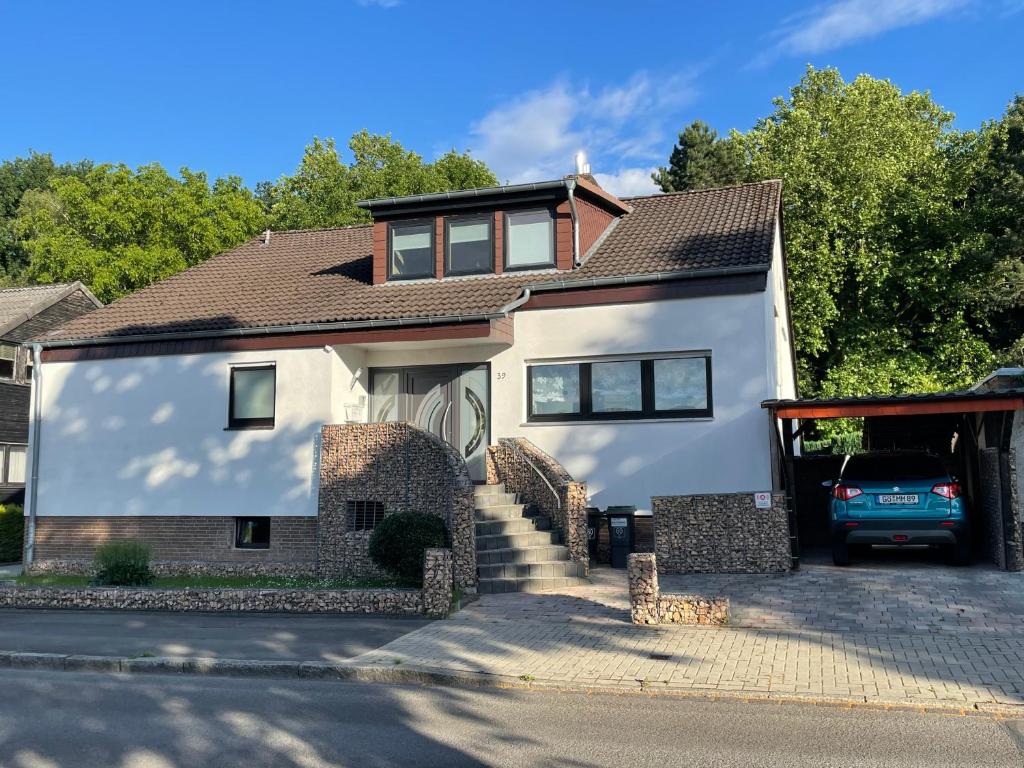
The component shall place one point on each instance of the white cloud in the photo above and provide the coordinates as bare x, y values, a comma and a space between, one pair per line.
621, 127
833, 25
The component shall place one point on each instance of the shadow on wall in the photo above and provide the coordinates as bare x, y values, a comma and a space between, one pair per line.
149, 436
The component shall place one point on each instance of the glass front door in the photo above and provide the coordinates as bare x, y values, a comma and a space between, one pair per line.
451, 401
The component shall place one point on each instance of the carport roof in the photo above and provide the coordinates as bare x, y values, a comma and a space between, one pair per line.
960, 401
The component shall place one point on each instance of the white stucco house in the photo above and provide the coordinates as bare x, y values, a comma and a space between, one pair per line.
633, 340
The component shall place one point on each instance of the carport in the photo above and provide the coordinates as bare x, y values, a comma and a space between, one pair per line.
978, 433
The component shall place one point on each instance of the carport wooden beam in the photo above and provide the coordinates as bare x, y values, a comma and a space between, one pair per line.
809, 409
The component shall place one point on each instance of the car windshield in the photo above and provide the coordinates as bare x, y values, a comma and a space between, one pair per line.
893, 467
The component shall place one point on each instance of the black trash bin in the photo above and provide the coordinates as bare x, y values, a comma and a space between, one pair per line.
620, 532
593, 531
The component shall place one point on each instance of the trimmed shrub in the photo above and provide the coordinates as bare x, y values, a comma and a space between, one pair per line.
12, 532
123, 564
398, 542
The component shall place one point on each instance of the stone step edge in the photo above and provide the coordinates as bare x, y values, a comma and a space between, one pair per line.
406, 673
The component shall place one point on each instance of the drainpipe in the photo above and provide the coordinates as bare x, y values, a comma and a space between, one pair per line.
576, 256
33, 438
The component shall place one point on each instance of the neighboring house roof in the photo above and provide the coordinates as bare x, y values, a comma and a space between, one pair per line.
310, 278
19, 305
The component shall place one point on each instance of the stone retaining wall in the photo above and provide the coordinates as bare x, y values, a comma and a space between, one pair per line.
181, 568
509, 462
434, 599
721, 533
648, 605
407, 470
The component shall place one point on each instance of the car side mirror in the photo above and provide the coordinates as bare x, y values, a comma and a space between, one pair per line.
826, 483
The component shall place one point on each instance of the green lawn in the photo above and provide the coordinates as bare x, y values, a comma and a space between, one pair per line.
232, 582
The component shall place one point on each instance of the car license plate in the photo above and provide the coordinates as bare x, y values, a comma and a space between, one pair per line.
898, 498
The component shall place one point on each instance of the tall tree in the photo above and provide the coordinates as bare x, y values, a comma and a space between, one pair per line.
324, 189
997, 208
118, 229
877, 267
700, 159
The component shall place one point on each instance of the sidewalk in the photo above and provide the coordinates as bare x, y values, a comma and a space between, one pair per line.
928, 649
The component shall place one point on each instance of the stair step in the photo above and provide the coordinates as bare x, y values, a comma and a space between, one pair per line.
539, 554
493, 499
499, 586
544, 569
516, 525
485, 489
516, 540
501, 512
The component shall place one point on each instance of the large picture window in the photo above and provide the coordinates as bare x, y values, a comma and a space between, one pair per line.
470, 245
252, 397
648, 387
529, 239
410, 249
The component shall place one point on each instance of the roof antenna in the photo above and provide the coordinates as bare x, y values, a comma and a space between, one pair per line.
266, 237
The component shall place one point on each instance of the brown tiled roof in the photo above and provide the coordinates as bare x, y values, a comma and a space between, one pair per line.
324, 276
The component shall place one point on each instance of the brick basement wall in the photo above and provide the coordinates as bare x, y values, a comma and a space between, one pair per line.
192, 542
407, 470
649, 605
509, 462
721, 533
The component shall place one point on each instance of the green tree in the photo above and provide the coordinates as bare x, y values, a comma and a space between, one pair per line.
872, 202
118, 229
324, 190
17, 177
997, 214
700, 159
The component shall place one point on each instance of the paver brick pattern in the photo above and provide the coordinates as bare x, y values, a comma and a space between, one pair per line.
886, 632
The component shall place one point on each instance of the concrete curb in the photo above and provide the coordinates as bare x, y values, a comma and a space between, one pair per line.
413, 675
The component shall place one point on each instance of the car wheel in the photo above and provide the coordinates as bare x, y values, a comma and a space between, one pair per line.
960, 553
840, 553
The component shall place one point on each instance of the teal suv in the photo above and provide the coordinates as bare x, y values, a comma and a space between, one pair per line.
899, 498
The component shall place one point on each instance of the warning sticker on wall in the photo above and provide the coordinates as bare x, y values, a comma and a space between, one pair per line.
763, 499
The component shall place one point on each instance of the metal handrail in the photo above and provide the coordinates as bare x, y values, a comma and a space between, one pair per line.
558, 501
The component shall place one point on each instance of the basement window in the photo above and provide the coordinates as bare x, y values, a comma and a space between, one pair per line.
252, 397
364, 515
252, 532
410, 249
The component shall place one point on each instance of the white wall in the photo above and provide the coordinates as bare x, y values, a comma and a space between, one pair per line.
146, 436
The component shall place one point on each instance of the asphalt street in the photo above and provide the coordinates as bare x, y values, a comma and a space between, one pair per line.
58, 719
277, 637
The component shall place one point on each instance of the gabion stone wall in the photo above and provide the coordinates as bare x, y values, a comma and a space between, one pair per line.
507, 463
649, 605
1000, 508
721, 533
81, 567
404, 468
437, 582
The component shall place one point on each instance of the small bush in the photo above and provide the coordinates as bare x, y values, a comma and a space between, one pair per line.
398, 543
123, 564
12, 532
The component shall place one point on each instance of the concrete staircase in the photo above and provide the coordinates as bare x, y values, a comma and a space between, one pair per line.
515, 552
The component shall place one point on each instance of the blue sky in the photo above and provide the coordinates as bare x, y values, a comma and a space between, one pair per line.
241, 88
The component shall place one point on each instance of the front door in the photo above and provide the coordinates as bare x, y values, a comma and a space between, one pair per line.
451, 401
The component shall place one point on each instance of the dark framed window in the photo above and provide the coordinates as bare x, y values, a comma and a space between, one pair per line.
364, 515
13, 460
251, 401
469, 245
529, 241
673, 386
8, 359
411, 249
252, 532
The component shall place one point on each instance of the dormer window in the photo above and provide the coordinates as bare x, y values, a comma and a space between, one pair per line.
469, 245
529, 239
411, 249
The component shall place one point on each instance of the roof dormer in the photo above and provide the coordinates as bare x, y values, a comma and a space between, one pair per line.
544, 226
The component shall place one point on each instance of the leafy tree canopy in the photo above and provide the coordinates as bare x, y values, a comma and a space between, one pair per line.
324, 189
118, 229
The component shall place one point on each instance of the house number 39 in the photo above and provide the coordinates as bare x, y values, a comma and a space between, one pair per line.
499, 376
